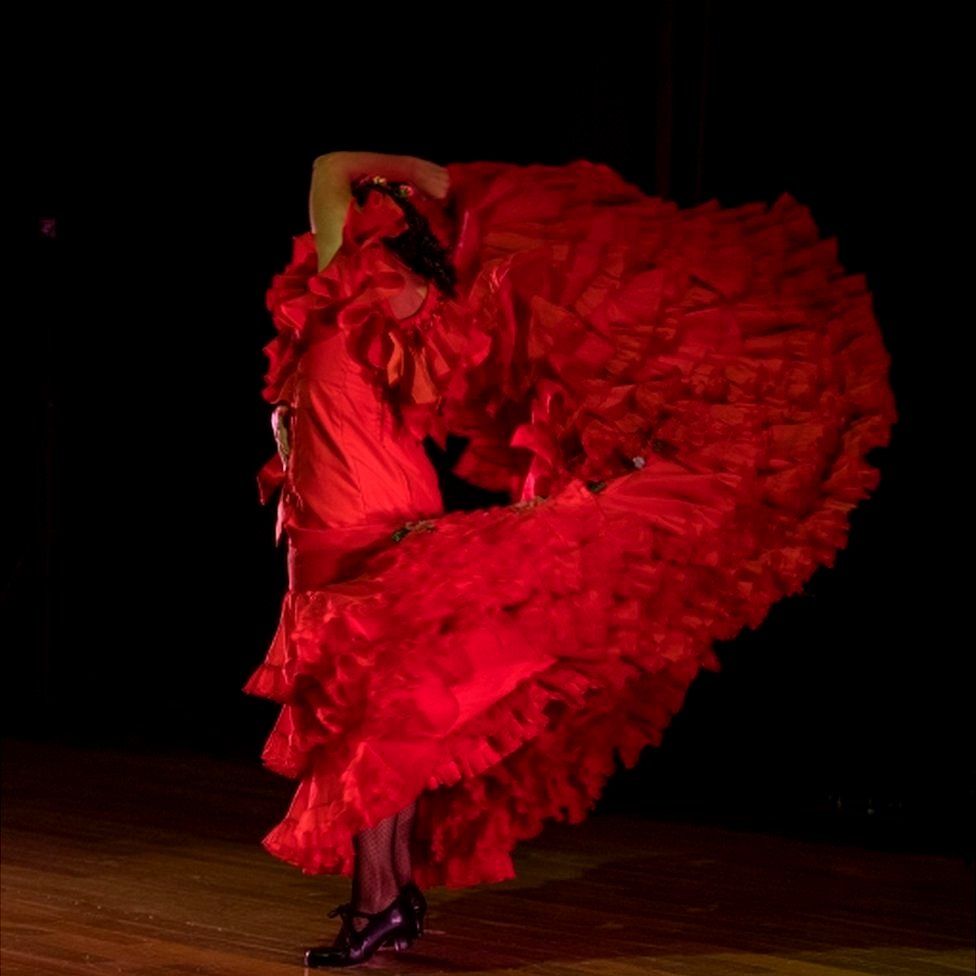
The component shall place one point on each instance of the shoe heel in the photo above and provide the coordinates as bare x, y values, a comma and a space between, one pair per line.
400, 943
418, 906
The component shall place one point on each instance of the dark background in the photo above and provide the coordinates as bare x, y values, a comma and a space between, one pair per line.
160, 179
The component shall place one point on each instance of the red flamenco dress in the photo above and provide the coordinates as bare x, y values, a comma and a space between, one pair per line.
680, 403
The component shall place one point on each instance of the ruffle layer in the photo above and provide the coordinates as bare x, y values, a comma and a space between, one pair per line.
682, 400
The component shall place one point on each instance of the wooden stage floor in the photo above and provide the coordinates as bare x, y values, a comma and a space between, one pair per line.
121, 863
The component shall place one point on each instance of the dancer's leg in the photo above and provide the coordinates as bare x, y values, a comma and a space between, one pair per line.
401, 844
374, 885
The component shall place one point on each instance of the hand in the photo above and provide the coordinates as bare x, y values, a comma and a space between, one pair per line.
279, 424
431, 178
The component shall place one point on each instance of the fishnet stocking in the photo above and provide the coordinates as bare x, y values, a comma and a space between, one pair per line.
374, 885
401, 844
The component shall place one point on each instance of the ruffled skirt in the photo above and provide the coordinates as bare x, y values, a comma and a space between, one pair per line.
682, 401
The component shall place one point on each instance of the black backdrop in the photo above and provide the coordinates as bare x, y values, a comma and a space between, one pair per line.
160, 177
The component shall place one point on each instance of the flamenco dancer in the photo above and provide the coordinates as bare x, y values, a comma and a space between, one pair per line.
680, 404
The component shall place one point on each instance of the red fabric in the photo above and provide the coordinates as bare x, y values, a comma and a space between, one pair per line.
681, 401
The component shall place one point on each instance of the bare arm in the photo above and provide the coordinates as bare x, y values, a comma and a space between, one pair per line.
331, 190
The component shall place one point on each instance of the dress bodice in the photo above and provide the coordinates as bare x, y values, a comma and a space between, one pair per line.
350, 461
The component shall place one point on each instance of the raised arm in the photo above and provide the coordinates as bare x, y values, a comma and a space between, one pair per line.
331, 190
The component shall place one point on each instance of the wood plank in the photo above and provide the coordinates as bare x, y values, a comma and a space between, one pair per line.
151, 864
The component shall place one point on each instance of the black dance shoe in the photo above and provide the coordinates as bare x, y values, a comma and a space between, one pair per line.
394, 925
417, 905
415, 908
